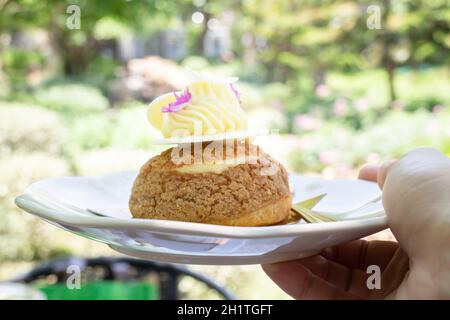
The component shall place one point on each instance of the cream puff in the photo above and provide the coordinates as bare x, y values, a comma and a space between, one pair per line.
226, 182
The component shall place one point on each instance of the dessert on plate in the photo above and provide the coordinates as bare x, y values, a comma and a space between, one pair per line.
225, 181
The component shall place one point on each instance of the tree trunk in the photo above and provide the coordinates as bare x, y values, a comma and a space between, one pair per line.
388, 38
391, 81
74, 58
201, 39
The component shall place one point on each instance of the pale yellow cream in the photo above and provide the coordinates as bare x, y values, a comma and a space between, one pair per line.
213, 109
216, 167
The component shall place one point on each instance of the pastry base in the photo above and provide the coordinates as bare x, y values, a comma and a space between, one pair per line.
268, 215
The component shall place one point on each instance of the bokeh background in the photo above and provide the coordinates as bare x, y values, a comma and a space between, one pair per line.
345, 82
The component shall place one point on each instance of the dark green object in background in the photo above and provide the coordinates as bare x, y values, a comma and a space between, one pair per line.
104, 290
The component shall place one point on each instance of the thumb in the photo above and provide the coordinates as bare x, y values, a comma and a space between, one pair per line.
416, 189
382, 172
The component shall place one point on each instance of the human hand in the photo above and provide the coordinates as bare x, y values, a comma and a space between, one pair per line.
416, 196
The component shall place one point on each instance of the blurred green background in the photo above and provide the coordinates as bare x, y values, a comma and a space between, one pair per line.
345, 82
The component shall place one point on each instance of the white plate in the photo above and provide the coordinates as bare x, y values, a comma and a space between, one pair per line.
212, 137
70, 202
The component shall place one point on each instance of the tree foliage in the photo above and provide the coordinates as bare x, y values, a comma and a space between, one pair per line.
315, 35
290, 37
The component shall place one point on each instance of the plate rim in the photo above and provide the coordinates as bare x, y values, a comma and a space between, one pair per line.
209, 259
44, 210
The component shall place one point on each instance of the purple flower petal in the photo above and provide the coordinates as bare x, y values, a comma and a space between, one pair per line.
179, 103
236, 93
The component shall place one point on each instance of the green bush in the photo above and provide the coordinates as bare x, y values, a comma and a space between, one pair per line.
124, 128
100, 71
195, 63
426, 103
424, 89
335, 144
28, 128
22, 236
401, 131
90, 131
17, 62
132, 129
71, 97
